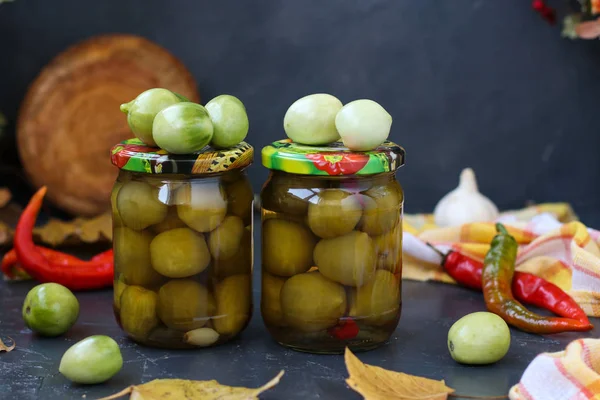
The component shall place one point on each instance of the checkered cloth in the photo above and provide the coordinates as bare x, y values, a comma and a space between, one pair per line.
552, 245
572, 374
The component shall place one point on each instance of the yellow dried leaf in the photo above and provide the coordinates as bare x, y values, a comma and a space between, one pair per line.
64, 233
5, 197
79, 230
192, 390
6, 233
3, 347
375, 383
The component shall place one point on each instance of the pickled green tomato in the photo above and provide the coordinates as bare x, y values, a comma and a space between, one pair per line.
479, 338
138, 205
182, 128
349, 259
287, 247
132, 257
311, 119
179, 253
142, 110
184, 304
229, 119
333, 212
201, 205
224, 241
363, 125
310, 302
94, 359
234, 303
378, 301
138, 313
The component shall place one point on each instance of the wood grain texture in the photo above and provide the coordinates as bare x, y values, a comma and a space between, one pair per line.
70, 116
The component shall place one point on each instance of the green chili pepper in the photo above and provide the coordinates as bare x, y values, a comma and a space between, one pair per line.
498, 271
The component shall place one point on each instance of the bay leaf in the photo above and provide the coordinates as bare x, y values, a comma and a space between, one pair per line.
80, 230
57, 232
6, 348
5, 197
376, 383
192, 390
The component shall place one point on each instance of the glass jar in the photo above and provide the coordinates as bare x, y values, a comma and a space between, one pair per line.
182, 239
331, 246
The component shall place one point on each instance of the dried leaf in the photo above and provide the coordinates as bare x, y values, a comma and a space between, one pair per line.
5, 197
192, 390
80, 230
375, 383
6, 233
65, 233
5, 348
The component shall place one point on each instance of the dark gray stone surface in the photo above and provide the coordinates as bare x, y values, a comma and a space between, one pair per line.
418, 346
463, 79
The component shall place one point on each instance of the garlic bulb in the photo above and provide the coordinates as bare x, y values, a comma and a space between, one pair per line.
464, 204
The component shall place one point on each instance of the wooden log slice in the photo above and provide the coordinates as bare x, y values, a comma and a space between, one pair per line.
70, 117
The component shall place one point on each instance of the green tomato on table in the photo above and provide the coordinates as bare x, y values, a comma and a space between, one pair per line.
92, 360
50, 309
479, 338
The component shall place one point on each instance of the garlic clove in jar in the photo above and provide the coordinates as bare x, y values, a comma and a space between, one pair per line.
464, 204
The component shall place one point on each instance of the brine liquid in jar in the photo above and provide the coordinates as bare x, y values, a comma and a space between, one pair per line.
331, 250
183, 253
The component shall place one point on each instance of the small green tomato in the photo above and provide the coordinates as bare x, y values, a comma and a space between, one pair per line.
50, 309
363, 125
93, 360
229, 119
311, 119
142, 110
182, 128
479, 338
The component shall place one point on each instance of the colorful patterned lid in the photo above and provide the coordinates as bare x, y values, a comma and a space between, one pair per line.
133, 155
333, 159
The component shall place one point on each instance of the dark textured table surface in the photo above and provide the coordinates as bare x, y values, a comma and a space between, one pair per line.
418, 346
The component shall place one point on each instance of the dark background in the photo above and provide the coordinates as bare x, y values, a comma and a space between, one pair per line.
480, 83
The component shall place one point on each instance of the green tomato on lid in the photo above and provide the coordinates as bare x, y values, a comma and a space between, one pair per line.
229, 119
311, 119
142, 110
182, 128
363, 125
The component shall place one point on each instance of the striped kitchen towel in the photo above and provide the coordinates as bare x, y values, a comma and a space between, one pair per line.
572, 374
553, 244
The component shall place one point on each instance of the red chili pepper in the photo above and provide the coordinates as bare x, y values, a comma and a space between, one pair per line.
496, 281
347, 329
526, 287
541, 293
339, 163
10, 260
76, 275
105, 256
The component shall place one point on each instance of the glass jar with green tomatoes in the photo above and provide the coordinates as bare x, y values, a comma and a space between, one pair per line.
182, 239
331, 245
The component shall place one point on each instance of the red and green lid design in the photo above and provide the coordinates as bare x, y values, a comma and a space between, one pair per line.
133, 155
333, 159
